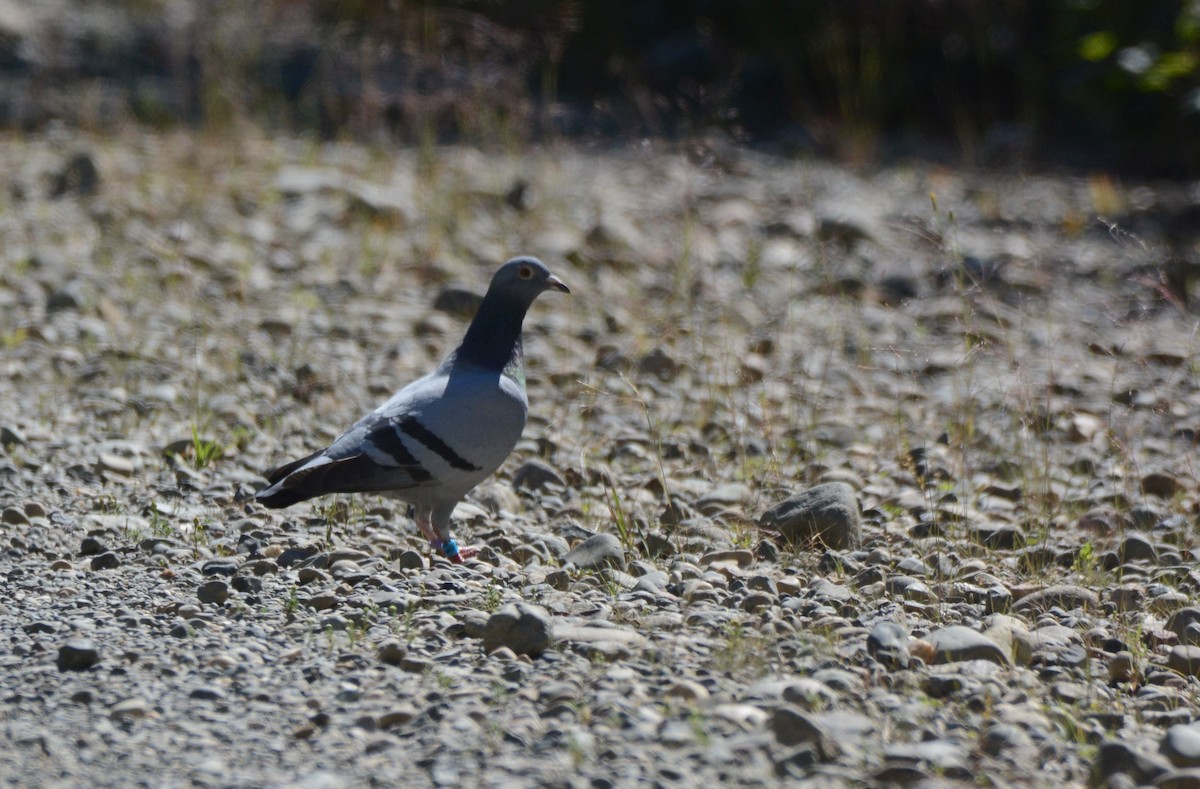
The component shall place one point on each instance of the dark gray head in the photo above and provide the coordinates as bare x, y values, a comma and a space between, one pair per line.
522, 279
493, 339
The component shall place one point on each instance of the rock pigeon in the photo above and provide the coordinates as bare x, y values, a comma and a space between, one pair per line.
443, 434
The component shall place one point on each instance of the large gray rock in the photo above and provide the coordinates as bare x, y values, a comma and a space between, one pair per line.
523, 628
827, 513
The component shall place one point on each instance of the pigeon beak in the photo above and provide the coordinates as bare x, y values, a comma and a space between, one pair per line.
557, 284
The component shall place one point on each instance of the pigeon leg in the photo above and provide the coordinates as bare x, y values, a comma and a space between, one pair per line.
444, 543
422, 521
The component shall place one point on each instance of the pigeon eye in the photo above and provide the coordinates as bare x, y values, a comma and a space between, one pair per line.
524, 272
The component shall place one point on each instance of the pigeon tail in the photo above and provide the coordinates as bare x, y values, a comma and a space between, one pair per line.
284, 497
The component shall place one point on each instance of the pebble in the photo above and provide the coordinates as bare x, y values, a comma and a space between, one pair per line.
77, 654
612, 643
722, 497
999, 739
536, 475
888, 645
213, 592
658, 364
525, 629
828, 513
12, 436
105, 561
1121, 667
687, 690
458, 300
957, 643
117, 464
1181, 744
1137, 547
14, 517
739, 557
1182, 618
1184, 659
1116, 757
1157, 483
1065, 596
599, 550
129, 708
1012, 636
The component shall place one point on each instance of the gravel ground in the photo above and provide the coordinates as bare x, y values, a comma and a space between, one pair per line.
830, 477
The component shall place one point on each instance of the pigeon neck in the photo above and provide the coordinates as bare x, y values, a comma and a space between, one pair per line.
493, 340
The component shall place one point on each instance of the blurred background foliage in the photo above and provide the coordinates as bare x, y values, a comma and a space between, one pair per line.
1075, 84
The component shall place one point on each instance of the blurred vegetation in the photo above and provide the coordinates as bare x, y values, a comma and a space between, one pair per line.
1096, 84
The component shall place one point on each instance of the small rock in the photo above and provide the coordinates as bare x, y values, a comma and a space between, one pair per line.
14, 517
1179, 620
106, 561
1002, 738
78, 654
740, 557
116, 464
523, 628
723, 497
1066, 596
1181, 744
658, 363
1083, 427
1158, 483
828, 513
959, 642
1001, 536
888, 645
1143, 516
397, 717
599, 550
536, 475
595, 641
458, 300
411, 560
10, 436
922, 650
754, 368
90, 546
503, 654
1117, 757
687, 690
215, 591
1013, 637
1128, 597
78, 176
1185, 660
1101, 520
1121, 667
1178, 779
129, 708
1137, 547
831, 732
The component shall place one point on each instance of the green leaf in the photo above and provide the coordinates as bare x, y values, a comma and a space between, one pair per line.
1097, 46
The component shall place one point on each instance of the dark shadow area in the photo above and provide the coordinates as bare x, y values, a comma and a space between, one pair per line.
1100, 84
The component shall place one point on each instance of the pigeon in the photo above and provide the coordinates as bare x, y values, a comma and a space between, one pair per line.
443, 434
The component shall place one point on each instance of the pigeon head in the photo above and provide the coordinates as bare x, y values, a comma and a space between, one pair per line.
523, 279
493, 339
